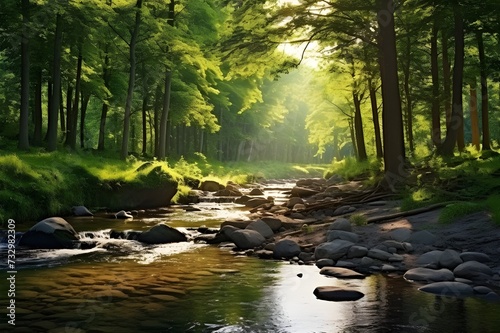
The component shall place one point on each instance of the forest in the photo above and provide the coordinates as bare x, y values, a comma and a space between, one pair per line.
297, 81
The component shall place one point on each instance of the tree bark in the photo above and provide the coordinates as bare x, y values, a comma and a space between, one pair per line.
446, 79
37, 110
392, 120
409, 106
73, 112
105, 107
25, 80
353, 137
83, 113
474, 119
376, 123
484, 93
164, 116
131, 81
436, 116
56, 87
456, 124
358, 128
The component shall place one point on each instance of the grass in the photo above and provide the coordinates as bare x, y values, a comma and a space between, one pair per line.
358, 219
351, 169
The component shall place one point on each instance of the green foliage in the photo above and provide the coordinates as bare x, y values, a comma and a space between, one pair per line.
350, 169
493, 206
457, 210
358, 219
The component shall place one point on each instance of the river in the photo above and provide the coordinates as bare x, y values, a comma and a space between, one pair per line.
124, 286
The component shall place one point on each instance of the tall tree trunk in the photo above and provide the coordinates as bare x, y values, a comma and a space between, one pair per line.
376, 123
56, 88
409, 106
484, 93
157, 106
83, 113
65, 125
353, 137
37, 110
145, 102
446, 78
392, 118
131, 81
105, 107
24, 143
73, 111
358, 128
474, 119
436, 116
456, 124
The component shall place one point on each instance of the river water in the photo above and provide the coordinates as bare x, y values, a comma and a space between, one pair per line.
124, 286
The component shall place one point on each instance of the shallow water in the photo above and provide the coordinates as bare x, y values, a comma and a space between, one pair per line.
124, 286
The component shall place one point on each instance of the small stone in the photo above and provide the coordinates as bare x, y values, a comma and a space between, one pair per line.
300, 275
379, 254
336, 294
475, 256
367, 262
427, 274
396, 258
325, 263
357, 251
341, 224
482, 290
455, 289
388, 268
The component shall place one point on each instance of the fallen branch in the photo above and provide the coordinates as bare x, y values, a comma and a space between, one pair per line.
384, 218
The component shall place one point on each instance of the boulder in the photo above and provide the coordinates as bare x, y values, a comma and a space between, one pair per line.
211, 186
81, 211
472, 270
247, 239
449, 259
256, 202
423, 237
448, 288
475, 256
400, 234
400, 246
341, 224
256, 191
261, 227
332, 250
379, 254
429, 259
227, 193
237, 224
303, 192
123, 215
337, 294
340, 234
324, 262
294, 201
161, 234
429, 275
357, 251
242, 200
482, 290
51, 233
274, 224
286, 248
341, 273
343, 210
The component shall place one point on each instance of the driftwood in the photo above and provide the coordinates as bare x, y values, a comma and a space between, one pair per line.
384, 218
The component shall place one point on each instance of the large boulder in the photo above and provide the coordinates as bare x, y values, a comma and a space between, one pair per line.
450, 259
161, 234
286, 248
337, 294
274, 224
448, 288
261, 227
81, 211
474, 256
51, 233
340, 224
332, 250
472, 270
211, 186
247, 239
429, 275
430, 259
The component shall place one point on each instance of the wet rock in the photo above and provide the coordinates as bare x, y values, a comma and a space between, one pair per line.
341, 224
449, 259
324, 262
161, 234
472, 270
400, 234
341, 273
51, 233
423, 237
242, 200
306, 257
475, 256
427, 274
429, 259
256, 202
340, 234
261, 227
81, 211
337, 294
332, 250
211, 186
123, 215
379, 254
448, 288
357, 251
286, 248
247, 239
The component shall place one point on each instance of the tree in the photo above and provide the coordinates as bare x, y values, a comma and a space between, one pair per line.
25, 79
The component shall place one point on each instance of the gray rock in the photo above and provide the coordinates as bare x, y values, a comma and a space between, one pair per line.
448, 288
429, 259
341, 224
303, 192
400, 234
388, 268
211, 186
466, 281
430, 275
81, 211
482, 290
357, 251
294, 201
343, 210
256, 202
264, 254
228, 230
269, 246
491, 297
337, 294
161, 234
367, 262
341, 273
247, 239
472, 270
274, 224
306, 257
379, 254
423, 237
51, 233
332, 250
261, 227
286, 248
377, 203
449, 259
123, 215
256, 191
396, 258
341, 234
324, 262
345, 264
475, 256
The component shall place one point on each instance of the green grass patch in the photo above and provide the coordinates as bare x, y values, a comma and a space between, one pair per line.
457, 210
358, 219
352, 169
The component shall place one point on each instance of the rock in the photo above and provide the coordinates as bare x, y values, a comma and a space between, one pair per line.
81, 211
237, 224
274, 224
340, 234
341, 273
423, 237
400, 234
242, 200
341, 224
299, 207
227, 193
388, 268
466, 281
396, 258
161, 234
303, 192
256, 191
294, 201
448, 288
256, 202
51, 233
264, 254
472, 270
357, 251
482, 290
449, 259
228, 230
306, 257
247, 239
123, 215
335, 179
286, 248
377, 203
367, 262
261, 227
430, 275
332, 250
379, 254
324, 262
475, 256
491, 297
429, 259
343, 210
211, 186
337, 294
400, 246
